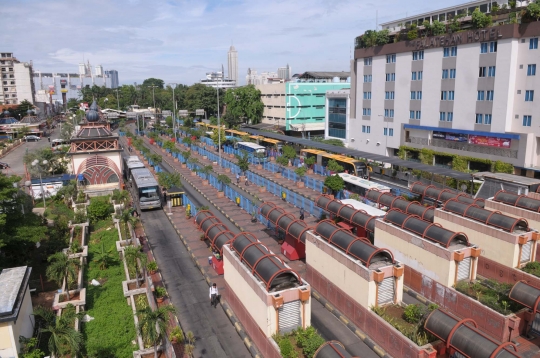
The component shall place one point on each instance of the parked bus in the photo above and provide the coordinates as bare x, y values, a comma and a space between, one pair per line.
146, 188
249, 147
351, 165
59, 143
130, 163
270, 143
356, 185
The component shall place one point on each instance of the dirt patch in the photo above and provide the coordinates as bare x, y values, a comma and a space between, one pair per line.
396, 312
133, 285
72, 297
151, 355
44, 299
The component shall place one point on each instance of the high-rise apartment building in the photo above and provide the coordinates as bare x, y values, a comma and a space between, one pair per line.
113, 77
232, 61
263, 78
284, 72
17, 84
469, 93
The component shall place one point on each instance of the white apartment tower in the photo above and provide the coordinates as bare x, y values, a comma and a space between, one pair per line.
469, 93
284, 72
232, 61
17, 84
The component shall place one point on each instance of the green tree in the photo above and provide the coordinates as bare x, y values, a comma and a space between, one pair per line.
22, 109
244, 105
438, 28
383, 37
136, 262
153, 324
66, 130
153, 82
64, 339
289, 152
334, 166
72, 103
168, 180
30, 348
310, 161
223, 179
57, 162
216, 134
62, 269
533, 11
68, 192
126, 218
480, 20
243, 161
199, 96
336, 142
120, 196
169, 121
104, 258
99, 209
334, 183
428, 28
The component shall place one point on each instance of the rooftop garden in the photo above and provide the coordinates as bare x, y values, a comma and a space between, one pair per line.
490, 293
464, 20
532, 268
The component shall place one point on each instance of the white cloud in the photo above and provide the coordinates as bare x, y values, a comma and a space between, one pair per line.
180, 40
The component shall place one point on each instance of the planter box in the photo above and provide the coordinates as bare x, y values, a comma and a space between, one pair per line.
300, 184
310, 171
259, 167
277, 175
204, 157
175, 160
83, 253
136, 291
220, 194
205, 182
227, 170
193, 174
81, 301
121, 244
262, 189
183, 166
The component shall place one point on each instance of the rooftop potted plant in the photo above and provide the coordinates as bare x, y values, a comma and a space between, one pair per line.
222, 180
152, 267
176, 335
309, 162
160, 293
301, 172
205, 171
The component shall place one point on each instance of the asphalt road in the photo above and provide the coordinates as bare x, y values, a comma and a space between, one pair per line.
15, 157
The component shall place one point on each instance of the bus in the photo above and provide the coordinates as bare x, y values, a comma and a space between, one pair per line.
130, 163
351, 165
251, 148
59, 143
148, 194
270, 143
356, 185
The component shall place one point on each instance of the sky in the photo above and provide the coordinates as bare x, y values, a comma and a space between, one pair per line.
180, 40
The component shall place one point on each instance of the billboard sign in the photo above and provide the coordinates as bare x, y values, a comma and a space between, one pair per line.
455, 137
490, 141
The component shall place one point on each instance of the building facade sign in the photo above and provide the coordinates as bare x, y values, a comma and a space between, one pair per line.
490, 141
457, 39
455, 137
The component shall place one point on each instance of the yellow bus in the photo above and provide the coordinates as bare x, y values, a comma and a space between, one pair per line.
350, 165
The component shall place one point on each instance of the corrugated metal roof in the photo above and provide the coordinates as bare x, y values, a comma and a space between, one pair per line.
11, 280
329, 74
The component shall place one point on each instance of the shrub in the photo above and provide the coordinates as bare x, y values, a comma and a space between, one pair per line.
301, 171
334, 182
286, 348
99, 208
310, 161
412, 313
309, 340
480, 20
533, 268
160, 292
334, 166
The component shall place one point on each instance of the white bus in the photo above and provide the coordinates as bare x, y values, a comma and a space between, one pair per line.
146, 188
59, 143
360, 186
251, 148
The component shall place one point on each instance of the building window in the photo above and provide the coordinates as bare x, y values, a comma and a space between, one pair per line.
418, 114
389, 113
420, 75
479, 118
489, 95
444, 95
367, 78
368, 61
366, 129
450, 51
450, 116
413, 76
418, 55
531, 70
452, 73
450, 95
487, 119
533, 44
482, 72
444, 74
337, 117
529, 96
391, 58
388, 95
411, 114
491, 71
367, 95
480, 96
390, 77
484, 47
385, 131
366, 111
413, 94
442, 116
527, 121
493, 46
391, 130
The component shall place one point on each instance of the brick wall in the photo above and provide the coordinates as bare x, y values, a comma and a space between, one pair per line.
378, 329
502, 328
494, 270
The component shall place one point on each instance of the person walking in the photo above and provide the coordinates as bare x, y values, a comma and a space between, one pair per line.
237, 178
301, 213
164, 196
213, 295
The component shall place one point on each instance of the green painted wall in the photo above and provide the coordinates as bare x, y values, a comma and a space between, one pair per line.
306, 102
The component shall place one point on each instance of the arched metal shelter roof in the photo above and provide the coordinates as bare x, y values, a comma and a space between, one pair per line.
425, 229
520, 201
443, 195
332, 349
360, 154
464, 337
214, 230
347, 212
527, 295
488, 217
264, 264
397, 202
359, 248
287, 222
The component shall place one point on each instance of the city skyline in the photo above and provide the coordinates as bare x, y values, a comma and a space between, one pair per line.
180, 41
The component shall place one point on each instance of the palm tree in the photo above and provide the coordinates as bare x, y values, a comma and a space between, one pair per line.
64, 338
62, 269
136, 260
120, 196
103, 258
125, 217
153, 324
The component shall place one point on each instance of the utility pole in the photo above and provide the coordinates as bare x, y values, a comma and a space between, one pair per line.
173, 85
218, 123
154, 98
117, 99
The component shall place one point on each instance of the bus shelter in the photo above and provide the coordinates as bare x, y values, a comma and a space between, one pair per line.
175, 195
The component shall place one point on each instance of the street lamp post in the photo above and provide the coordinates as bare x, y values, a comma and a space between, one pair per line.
173, 85
154, 99
218, 124
37, 165
117, 99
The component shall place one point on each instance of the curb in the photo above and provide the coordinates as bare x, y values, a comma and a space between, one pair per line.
362, 335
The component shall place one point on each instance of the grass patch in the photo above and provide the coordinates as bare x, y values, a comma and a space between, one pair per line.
112, 331
300, 343
55, 209
532, 268
491, 294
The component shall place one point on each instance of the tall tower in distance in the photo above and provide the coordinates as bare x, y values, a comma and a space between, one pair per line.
233, 64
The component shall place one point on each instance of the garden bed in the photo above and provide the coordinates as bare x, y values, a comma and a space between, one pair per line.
491, 294
111, 332
300, 343
532, 268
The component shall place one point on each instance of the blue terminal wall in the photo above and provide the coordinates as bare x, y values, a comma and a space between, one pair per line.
306, 102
